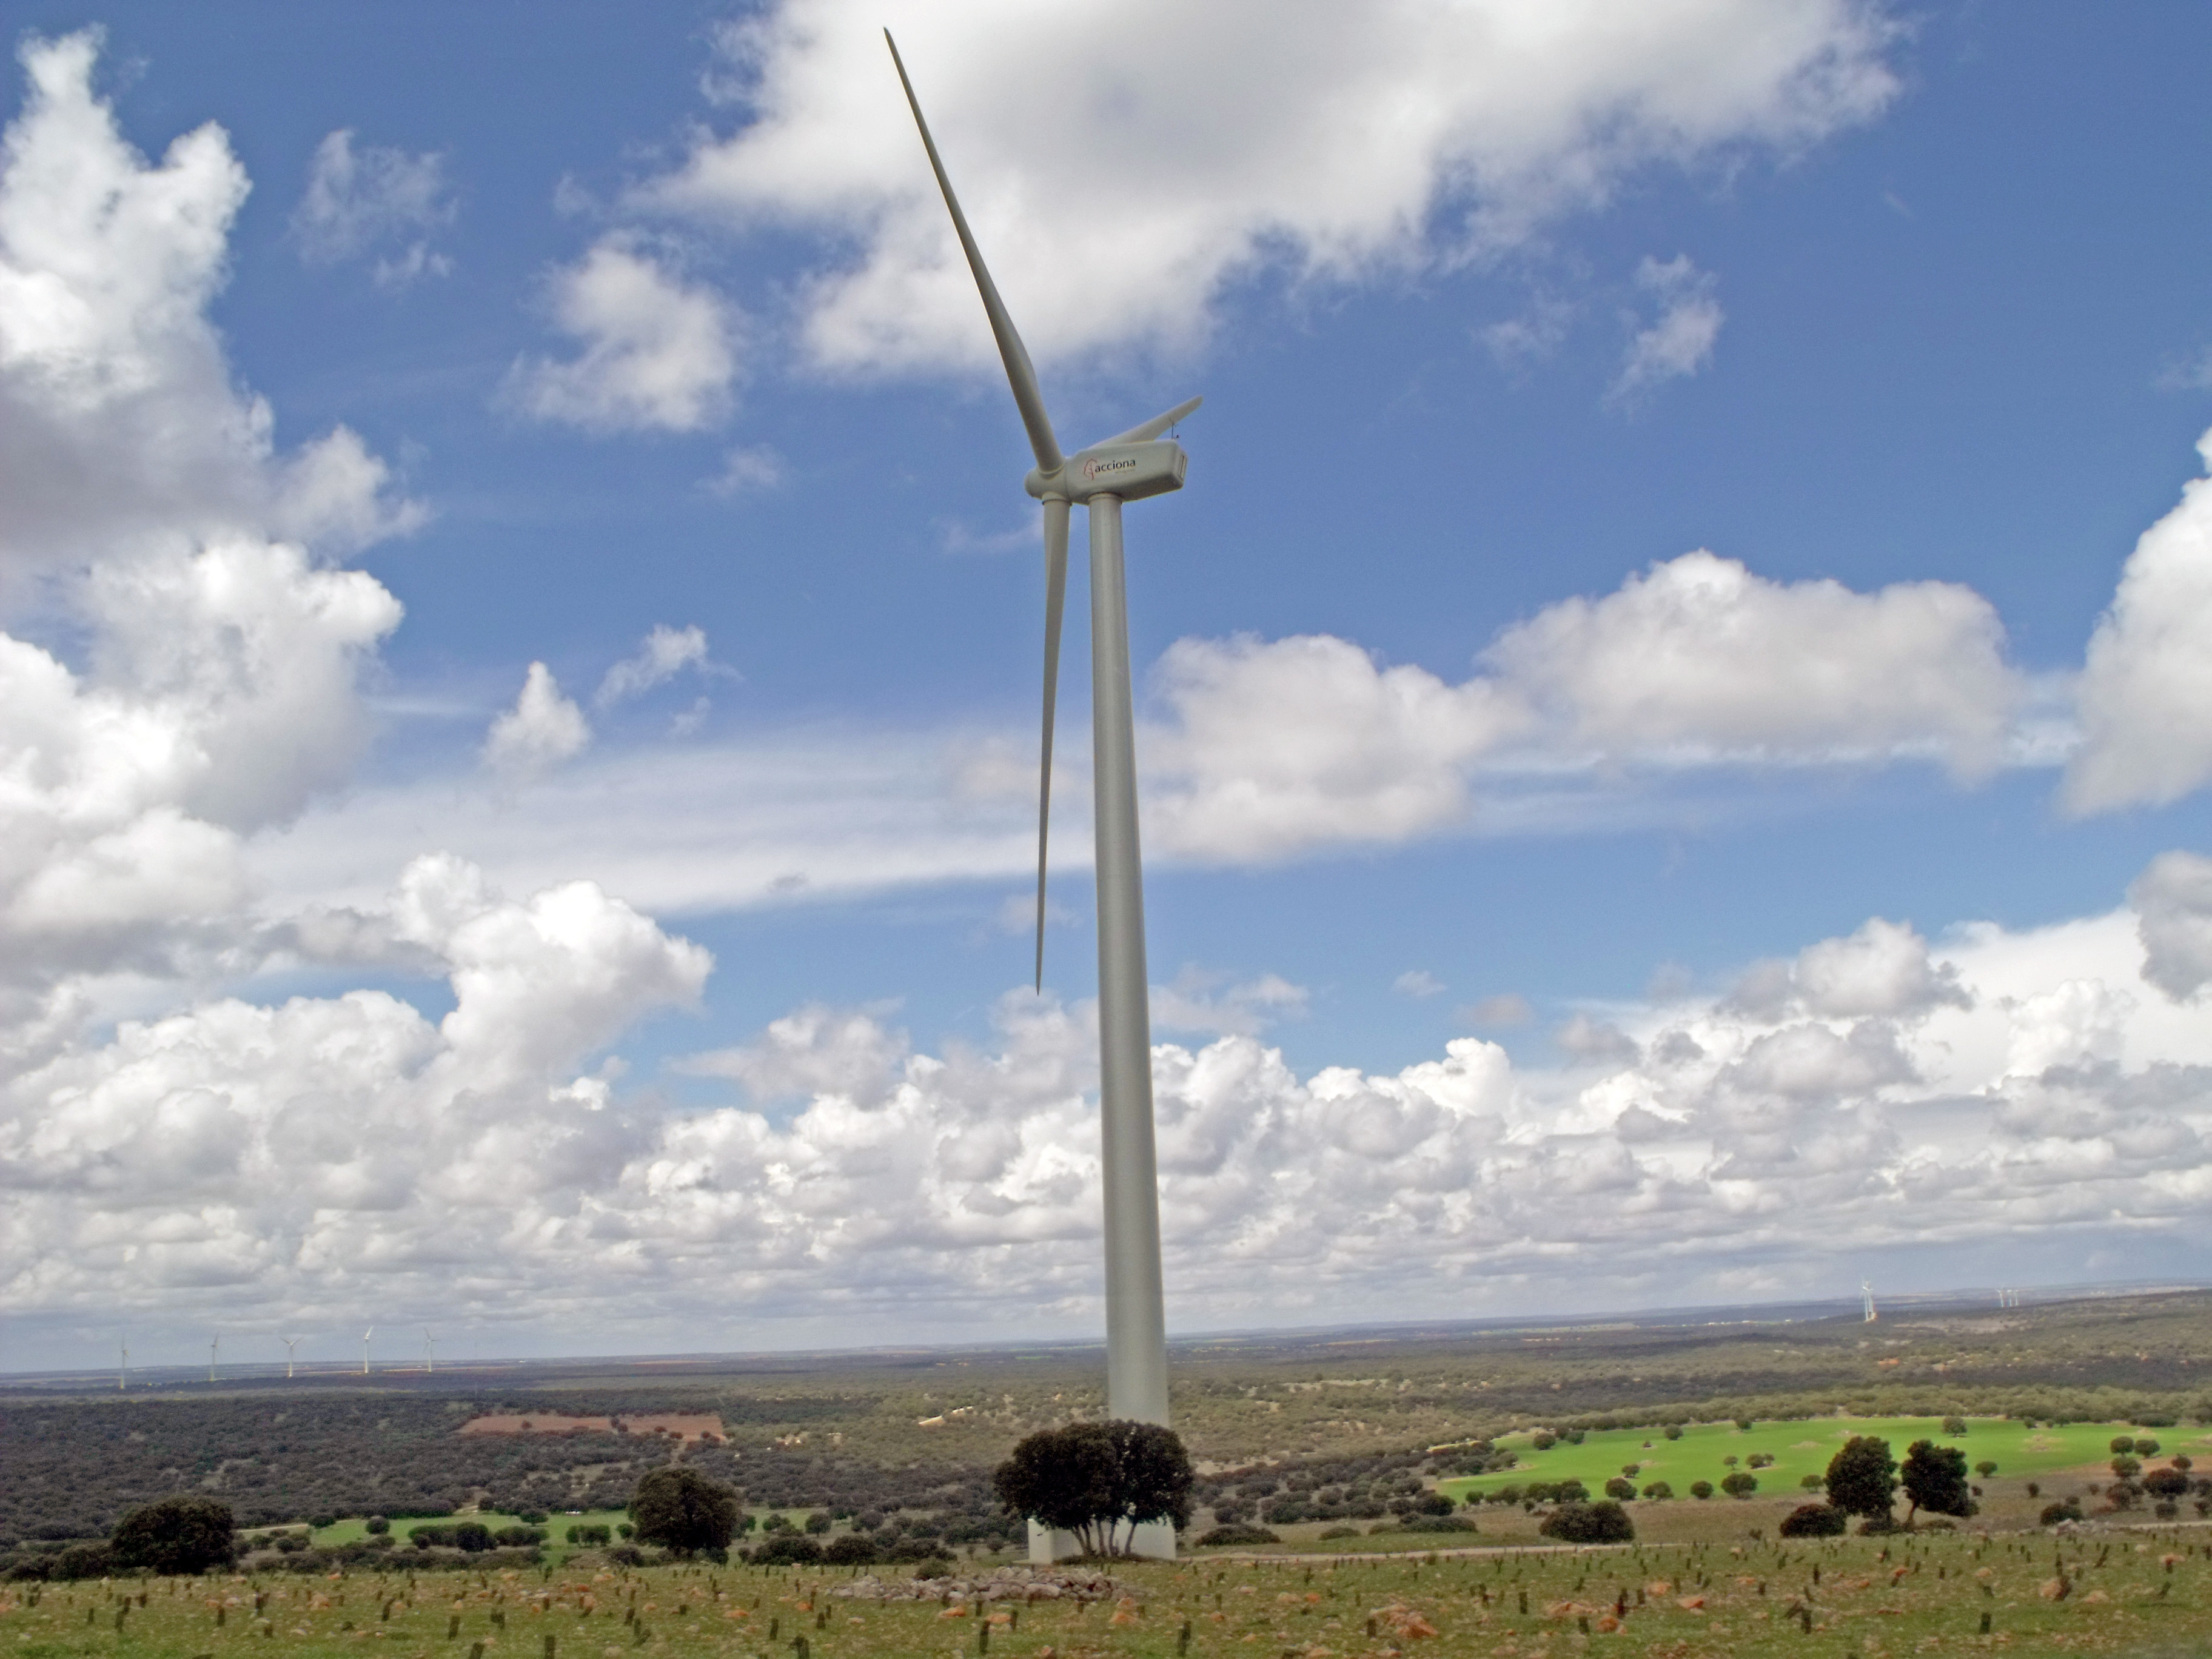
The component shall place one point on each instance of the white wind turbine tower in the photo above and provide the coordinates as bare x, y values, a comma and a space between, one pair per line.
1128, 467
214, 1343
429, 1351
123, 1371
290, 1343
1866, 1292
365, 1335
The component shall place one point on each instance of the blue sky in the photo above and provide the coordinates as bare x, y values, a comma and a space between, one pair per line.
1662, 472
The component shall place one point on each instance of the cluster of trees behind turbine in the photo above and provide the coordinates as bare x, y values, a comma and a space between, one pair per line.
1862, 1479
1096, 1480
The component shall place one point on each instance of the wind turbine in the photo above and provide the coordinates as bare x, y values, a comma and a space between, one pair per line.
214, 1343
365, 1335
123, 1371
429, 1351
290, 1343
1128, 467
1866, 1291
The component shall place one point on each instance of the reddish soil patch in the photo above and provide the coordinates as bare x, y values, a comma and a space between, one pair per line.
677, 1426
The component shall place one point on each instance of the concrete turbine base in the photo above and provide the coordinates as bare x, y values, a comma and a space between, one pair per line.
1155, 1541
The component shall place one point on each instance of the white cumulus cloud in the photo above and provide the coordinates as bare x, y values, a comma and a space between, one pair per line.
2173, 903
2145, 696
1305, 140
542, 730
656, 351
663, 654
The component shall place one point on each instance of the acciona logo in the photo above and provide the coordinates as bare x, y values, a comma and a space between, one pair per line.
1097, 467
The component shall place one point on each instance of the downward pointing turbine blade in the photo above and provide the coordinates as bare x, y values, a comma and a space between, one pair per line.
1055, 602
1027, 396
1151, 428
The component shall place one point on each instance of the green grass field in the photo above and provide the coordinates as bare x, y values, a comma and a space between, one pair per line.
2136, 1592
1804, 1447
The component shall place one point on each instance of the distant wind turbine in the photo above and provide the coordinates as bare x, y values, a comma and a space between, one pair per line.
215, 1343
1866, 1290
1128, 467
290, 1343
429, 1351
123, 1372
365, 1335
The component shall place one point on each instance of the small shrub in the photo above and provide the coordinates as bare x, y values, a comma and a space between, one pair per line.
1759, 1460
1620, 1488
1604, 1523
2035, 1489
319, 1522
854, 1549
1701, 1489
1739, 1484
2127, 1467
1545, 1441
626, 1555
378, 1526
1814, 1520
2146, 1448
1330, 1533
2122, 1444
1985, 1469
1954, 1426
2054, 1513
87, 1559
1658, 1491
176, 1535
1879, 1526
1673, 1431
1744, 1424
1810, 1482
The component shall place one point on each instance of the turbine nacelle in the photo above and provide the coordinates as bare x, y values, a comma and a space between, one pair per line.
1132, 471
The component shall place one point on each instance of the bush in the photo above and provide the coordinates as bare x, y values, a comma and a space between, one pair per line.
1434, 1502
1619, 1488
1701, 1489
1543, 1441
1879, 1526
1985, 1469
1659, 1491
1739, 1484
473, 1536
1810, 1482
1759, 1460
1672, 1430
1954, 1426
819, 1523
786, 1549
854, 1550
681, 1511
324, 1519
176, 1535
2165, 1483
2126, 1467
911, 1549
1744, 1422
2122, 1444
2054, 1513
378, 1526
516, 1537
1814, 1520
1238, 1532
2145, 1446
626, 1555
1330, 1533
90, 1559
1435, 1523
1603, 1522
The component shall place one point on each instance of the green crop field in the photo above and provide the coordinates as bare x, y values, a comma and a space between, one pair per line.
1803, 1447
2147, 1592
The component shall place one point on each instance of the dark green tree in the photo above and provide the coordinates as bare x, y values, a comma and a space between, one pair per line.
681, 1511
1739, 1484
1862, 1477
1602, 1523
1096, 1479
176, 1535
1936, 1480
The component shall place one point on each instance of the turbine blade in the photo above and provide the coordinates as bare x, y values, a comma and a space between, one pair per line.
1055, 602
1028, 398
1151, 428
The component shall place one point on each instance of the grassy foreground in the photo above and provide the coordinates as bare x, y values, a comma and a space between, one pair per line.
2130, 1592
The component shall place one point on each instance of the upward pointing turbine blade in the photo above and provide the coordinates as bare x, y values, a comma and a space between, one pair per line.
1027, 396
1055, 602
